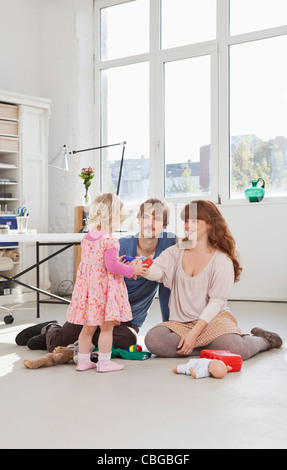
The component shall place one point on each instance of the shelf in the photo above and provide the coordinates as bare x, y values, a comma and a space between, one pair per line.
4, 166
8, 199
9, 135
10, 183
9, 151
10, 248
9, 119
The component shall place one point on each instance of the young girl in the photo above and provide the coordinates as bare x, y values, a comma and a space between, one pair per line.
100, 296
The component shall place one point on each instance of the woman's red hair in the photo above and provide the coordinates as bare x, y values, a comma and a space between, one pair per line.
219, 234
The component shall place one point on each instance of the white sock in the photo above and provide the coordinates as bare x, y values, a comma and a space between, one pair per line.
84, 358
103, 357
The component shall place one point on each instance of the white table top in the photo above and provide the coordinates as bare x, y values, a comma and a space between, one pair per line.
33, 236
14, 236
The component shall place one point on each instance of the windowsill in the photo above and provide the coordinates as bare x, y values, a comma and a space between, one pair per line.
264, 202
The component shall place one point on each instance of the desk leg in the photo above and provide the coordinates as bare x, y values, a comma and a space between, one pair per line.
38, 278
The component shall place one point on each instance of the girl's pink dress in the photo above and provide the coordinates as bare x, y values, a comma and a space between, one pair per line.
100, 292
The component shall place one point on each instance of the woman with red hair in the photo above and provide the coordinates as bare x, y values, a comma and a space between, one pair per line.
200, 271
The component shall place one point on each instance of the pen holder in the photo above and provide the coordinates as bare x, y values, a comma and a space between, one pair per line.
22, 224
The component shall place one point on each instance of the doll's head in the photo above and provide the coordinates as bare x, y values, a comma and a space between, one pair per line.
106, 213
218, 369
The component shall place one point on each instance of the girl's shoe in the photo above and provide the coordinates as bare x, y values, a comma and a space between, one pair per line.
109, 366
86, 366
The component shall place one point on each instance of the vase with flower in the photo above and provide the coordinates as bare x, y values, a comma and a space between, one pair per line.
87, 174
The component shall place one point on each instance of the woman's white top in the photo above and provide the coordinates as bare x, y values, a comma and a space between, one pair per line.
193, 297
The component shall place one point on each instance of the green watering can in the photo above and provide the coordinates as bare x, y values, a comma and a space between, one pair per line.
255, 193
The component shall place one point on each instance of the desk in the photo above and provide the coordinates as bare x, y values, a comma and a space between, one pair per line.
41, 239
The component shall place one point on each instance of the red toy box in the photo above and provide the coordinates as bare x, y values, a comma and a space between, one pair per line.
233, 360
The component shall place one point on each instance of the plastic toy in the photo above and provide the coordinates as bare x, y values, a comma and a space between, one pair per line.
232, 360
125, 354
134, 347
200, 368
146, 261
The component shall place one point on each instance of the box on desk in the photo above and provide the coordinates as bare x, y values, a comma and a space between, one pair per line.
12, 222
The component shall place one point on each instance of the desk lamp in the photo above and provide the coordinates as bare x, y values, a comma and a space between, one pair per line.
61, 159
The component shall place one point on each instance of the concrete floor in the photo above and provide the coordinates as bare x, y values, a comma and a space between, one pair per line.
145, 406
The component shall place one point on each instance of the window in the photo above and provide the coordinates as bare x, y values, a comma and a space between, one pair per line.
254, 15
187, 22
258, 110
187, 126
124, 29
125, 116
198, 90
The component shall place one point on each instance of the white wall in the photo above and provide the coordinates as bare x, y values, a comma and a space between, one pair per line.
47, 50
260, 231
67, 78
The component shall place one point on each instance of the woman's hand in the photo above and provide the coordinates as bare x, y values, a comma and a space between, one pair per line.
139, 268
186, 344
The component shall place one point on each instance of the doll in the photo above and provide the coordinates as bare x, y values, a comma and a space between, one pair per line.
199, 368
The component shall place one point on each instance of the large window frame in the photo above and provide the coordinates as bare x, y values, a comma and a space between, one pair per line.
218, 50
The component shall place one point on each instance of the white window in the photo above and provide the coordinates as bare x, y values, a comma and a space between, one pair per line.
198, 90
124, 29
187, 22
258, 115
187, 126
254, 15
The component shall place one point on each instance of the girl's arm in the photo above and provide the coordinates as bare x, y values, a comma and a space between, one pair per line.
114, 266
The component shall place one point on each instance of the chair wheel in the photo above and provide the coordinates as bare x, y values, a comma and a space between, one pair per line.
8, 319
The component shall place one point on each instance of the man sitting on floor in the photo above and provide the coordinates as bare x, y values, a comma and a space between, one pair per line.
151, 240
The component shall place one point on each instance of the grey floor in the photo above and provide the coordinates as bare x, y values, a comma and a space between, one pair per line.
145, 406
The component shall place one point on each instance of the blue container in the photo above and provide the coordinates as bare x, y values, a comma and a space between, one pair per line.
12, 222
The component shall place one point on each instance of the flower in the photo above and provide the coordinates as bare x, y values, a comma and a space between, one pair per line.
87, 175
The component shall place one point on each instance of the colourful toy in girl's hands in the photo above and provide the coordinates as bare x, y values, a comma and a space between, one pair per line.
146, 261
134, 348
128, 258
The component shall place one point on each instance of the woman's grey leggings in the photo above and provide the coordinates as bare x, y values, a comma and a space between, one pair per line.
163, 342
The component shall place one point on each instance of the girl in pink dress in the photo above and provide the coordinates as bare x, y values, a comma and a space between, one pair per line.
100, 295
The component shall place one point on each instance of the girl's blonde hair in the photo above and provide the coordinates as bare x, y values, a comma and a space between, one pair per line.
104, 211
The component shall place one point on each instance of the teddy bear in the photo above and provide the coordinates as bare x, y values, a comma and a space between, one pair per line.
60, 355
13, 254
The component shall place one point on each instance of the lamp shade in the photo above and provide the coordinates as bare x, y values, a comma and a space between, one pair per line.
60, 161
